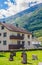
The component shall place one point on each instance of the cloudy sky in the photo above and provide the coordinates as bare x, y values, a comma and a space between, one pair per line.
11, 7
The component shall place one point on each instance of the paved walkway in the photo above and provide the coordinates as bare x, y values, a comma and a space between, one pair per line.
40, 63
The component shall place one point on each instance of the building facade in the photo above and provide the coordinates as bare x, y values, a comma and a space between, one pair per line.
12, 37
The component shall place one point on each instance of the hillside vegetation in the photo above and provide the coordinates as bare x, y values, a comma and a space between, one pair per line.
30, 19
32, 22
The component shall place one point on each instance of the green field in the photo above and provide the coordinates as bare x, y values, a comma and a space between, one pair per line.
4, 58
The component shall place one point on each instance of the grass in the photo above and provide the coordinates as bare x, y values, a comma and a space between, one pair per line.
40, 39
4, 58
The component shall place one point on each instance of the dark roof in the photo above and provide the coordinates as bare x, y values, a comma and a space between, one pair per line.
13, 28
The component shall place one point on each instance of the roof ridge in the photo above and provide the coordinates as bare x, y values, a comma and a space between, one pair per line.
14, 28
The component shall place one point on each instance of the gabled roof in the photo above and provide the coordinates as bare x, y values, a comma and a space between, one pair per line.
13, 28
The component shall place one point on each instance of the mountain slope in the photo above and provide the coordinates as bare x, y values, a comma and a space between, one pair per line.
32, 22
30, 19
29, 10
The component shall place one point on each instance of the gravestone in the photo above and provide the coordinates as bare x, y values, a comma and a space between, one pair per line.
14, 53
24, 58
11, 56
34, 57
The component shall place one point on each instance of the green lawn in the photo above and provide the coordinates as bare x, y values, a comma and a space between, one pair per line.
4, 58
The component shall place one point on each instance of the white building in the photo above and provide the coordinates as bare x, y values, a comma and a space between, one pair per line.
12, 37
36, 43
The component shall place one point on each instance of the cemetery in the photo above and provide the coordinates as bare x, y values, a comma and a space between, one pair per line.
21, 57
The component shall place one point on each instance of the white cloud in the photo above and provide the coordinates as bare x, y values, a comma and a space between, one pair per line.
5, 2
13, 9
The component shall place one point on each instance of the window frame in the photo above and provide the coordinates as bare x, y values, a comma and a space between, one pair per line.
0, 34
2, 27
28, 36
5, 34
4, 42
0, 42
18, 42
29, 43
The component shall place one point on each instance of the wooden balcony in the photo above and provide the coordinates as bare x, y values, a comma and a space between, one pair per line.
17, 37
16, 46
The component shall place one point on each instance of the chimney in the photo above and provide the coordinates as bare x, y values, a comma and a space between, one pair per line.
3, 21
17, 25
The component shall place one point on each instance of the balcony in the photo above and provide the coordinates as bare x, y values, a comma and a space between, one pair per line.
16, 46
17, 37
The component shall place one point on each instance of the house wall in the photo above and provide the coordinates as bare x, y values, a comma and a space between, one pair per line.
4, 47
13, 41
26, 39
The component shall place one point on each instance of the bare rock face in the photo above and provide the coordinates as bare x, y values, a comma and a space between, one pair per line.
24, 58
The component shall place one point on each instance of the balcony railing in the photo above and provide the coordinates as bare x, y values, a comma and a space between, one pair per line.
17, 37
16, 46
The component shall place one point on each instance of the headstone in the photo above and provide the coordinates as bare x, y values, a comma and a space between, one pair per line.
24, 58
22, 54
11, 57
34, 57
14, 53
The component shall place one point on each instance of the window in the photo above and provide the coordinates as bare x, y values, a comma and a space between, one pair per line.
29, 36
0, 34
18, 34
4, 42
23, 42
2, 27
18, 42
23, 35
0, 42
29, 43
4, 34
